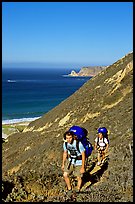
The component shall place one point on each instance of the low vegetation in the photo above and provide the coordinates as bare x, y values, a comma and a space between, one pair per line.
31, 159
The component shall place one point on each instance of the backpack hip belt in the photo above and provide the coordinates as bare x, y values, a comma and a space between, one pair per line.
76, 158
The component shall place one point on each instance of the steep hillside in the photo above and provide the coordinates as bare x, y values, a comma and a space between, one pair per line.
31, 161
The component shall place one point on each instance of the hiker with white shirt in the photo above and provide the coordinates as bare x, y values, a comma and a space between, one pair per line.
101, 144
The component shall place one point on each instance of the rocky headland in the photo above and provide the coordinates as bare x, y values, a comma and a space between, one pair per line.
32, 158
89, 71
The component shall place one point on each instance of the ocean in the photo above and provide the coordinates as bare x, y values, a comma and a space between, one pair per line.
27, 94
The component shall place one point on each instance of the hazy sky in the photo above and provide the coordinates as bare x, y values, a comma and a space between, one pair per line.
65, 34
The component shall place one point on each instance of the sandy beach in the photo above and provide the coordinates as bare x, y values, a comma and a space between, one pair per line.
8, 129
4, 135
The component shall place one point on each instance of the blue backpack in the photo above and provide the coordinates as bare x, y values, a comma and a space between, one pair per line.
81, 134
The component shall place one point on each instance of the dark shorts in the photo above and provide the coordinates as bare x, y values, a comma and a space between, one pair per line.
73, 169
101, 149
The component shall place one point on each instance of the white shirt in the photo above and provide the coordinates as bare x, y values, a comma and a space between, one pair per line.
101, 142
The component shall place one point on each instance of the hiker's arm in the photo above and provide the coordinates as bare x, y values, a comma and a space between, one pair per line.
82, 170
64, 159
95, 146
106, 149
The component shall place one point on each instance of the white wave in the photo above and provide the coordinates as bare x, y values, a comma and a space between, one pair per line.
25, 80
11, 121
66, 75
11, 81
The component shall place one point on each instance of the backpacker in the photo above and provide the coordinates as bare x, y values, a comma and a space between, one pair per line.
81, 134
104, 132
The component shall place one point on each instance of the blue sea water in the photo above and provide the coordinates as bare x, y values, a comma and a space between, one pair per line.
30, 93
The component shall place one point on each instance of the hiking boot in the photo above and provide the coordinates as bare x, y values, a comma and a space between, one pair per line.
104, 160
98, 163
77, 190
69, 192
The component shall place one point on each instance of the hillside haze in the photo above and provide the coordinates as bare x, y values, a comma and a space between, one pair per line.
31, 160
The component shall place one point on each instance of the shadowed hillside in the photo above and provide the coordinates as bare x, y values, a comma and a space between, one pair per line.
31, 160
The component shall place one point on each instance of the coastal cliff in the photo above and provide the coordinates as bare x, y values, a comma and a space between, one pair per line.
31, 160
87, 71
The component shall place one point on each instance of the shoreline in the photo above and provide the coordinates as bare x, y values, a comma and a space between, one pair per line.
4, 136
18, 121
14, 127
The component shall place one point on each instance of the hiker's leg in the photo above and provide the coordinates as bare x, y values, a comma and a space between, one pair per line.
79, 179
103, 155
79, 176
86, 162
67, 170
99, 156
67, 180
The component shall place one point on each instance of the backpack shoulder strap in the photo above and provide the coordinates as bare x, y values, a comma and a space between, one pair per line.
66, 144
104, 139
98, 141
77, 145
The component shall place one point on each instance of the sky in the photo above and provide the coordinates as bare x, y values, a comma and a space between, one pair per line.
65, 34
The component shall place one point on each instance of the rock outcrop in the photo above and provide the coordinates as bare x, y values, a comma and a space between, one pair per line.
87, 71
31, 160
